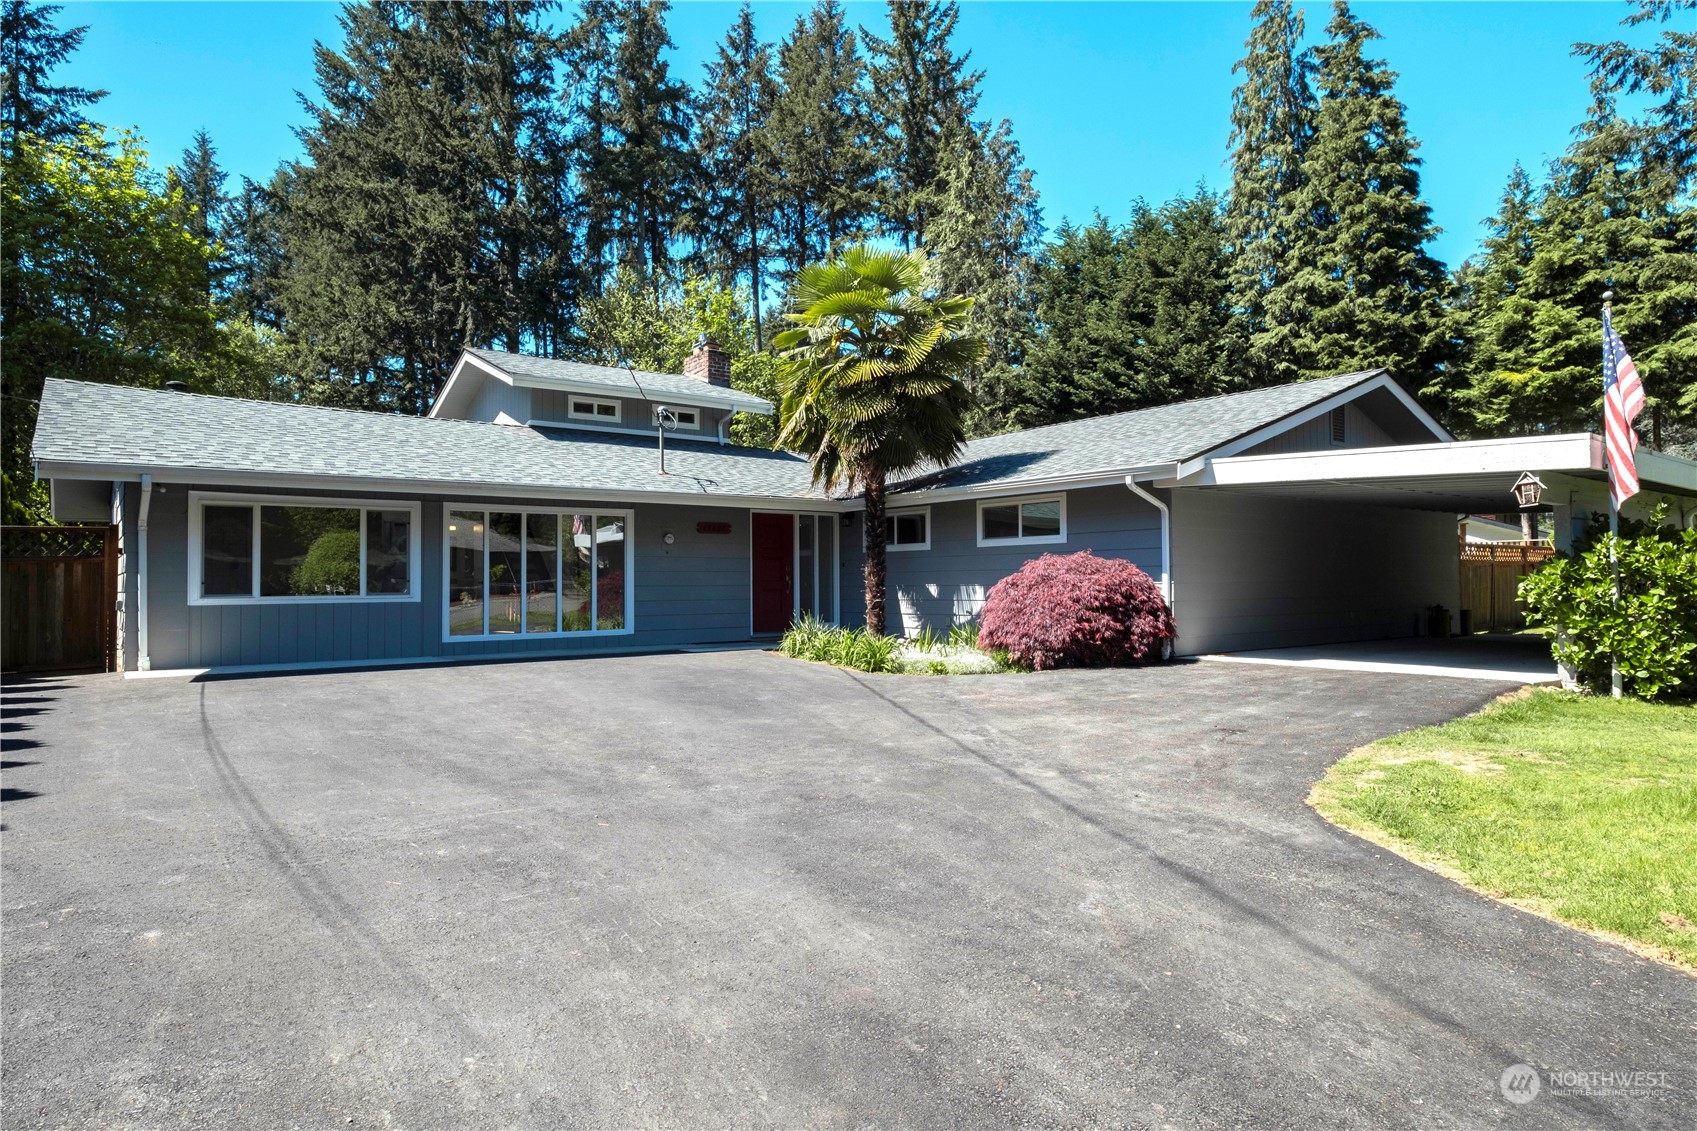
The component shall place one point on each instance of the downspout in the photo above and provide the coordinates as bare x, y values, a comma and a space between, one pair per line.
724, 429
1166, 537
144, 662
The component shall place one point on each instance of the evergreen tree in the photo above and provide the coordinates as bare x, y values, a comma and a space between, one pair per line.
922, 96
820, 137
1360, 289
1606, 221
732, 221
985, 235
253, 255
199, 182
1134, 317
1272, 124
425, 218
1666, 136
635, 159
30, 49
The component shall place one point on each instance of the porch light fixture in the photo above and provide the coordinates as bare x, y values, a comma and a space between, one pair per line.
1528, 490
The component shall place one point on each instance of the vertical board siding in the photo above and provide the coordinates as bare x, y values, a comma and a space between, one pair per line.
1359, 431
1252, 571
946, 584
695, 591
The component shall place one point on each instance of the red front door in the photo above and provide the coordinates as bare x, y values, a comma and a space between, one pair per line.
774, 572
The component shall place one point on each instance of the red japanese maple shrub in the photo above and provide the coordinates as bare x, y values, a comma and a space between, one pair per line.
1070, 610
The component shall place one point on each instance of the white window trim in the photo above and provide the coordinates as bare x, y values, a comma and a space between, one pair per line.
695, 412
573, 399
1020, 501
629, 517
891, 547
199, 500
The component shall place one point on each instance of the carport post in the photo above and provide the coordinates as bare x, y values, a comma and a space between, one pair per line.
144, 662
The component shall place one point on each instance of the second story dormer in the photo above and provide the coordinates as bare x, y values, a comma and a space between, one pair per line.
539, 392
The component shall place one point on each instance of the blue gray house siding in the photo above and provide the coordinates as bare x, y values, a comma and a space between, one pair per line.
695, 591
946, 584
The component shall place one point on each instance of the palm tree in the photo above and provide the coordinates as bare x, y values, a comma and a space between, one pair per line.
870, 380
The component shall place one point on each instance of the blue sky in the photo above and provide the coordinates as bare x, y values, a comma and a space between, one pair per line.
1111, 101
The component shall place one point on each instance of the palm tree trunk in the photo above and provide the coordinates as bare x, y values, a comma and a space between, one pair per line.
876, 563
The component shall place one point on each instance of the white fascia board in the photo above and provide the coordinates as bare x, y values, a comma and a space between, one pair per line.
467, 358
216, 477
1317, 409
742, 402
1666, 471
1109, 477
1573, 452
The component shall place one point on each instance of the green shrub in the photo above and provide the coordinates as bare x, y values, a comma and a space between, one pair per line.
1652, 633
330, 566
855, 648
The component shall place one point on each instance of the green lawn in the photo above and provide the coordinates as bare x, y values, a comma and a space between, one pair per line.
1581, 808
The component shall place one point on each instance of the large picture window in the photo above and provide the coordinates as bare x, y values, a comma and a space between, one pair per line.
275, 549
536, 572
1022, 522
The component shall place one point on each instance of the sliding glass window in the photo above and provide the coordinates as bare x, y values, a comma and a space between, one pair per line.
271, 549
536, 573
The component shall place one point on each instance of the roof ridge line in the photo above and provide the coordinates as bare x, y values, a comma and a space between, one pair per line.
1174, 404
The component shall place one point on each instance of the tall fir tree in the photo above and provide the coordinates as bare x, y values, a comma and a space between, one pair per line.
821, 140
1136, 316
922, 99
731, 223
1360, 289
1272, 125
1615, 213
985, 235
635, 156
1664, 73
31, 48
410, 230
199, 181
254, 252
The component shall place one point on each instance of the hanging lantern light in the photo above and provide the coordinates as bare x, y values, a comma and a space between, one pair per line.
1528, 491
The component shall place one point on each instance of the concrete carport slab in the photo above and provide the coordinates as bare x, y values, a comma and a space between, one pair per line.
1517, 658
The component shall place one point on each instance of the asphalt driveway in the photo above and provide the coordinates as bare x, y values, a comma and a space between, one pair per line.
738, 890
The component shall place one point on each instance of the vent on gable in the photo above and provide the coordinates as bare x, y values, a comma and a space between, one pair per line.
1337, 425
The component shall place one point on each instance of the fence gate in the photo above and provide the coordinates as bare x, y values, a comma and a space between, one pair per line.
1490, 575
59, 592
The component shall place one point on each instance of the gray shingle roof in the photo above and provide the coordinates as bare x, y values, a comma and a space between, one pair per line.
1168, 433
645, 384
141, 429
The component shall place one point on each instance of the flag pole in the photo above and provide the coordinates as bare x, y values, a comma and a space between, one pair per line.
1614, 515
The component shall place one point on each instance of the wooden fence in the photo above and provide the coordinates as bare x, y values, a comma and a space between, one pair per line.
58, 598
1490, 574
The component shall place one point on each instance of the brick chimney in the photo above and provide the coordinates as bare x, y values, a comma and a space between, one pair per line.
709, 363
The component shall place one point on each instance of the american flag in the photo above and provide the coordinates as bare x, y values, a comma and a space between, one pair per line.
1623, 399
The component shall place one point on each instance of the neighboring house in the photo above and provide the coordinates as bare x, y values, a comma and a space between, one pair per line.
529, 515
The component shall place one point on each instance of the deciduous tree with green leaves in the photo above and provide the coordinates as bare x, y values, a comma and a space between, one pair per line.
870, 376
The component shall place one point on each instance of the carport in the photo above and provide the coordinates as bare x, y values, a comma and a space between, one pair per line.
1316, 548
